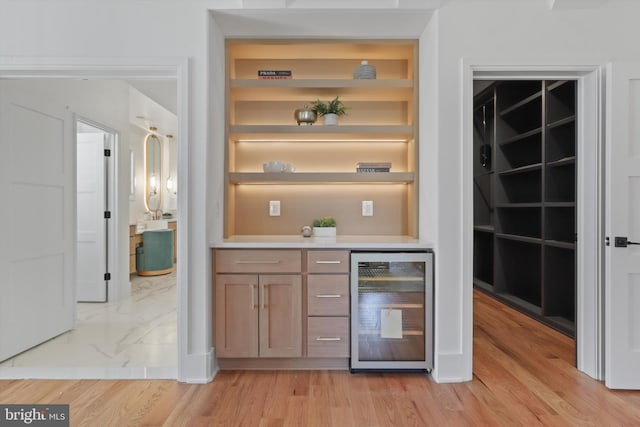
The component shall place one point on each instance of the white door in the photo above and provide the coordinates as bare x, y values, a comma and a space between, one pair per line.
37, 214
622, 268
91, 266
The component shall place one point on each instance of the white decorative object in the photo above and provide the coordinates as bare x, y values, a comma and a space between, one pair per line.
324, 231
330, 119
365, 71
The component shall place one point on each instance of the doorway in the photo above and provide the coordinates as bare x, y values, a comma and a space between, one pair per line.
525, 197
82, 102
588, 194
95, 146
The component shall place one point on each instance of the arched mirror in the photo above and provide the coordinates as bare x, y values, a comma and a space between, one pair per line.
152, 172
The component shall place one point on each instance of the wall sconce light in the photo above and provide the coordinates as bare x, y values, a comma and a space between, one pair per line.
153, 184
171, 186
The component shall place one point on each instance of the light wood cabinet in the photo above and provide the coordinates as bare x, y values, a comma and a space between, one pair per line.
236, 297
259, 314
328, 303
380, 126
135, 240
173, 225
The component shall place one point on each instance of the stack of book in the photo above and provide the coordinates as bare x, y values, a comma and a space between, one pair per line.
274, 74
373, 167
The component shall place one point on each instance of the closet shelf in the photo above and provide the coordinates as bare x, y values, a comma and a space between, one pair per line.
519, 205
484, 228
522, 136
520, 104
557, 84
570, 160
560, 204
519, 238
522, 169
560, 244
561, 122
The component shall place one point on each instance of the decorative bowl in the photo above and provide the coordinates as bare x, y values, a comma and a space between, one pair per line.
305, 115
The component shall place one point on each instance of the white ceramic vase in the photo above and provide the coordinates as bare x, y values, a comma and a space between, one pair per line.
324, 231
330, 119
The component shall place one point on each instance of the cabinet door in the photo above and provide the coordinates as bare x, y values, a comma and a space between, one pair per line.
280, 315
236, 304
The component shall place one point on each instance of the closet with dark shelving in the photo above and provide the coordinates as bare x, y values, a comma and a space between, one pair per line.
524, 177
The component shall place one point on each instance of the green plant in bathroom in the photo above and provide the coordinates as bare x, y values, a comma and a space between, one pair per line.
327, 221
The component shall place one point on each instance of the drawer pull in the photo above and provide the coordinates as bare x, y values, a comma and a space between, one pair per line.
274, 261
328, 339
328, 262
329, 296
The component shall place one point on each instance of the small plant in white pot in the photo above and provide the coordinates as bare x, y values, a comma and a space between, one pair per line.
324, 227
329, 111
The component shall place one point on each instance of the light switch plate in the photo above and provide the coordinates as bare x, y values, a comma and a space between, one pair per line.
367, 208
274, 207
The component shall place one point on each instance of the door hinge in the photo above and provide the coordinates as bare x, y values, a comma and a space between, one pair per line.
107, 214
107, 276
107, 152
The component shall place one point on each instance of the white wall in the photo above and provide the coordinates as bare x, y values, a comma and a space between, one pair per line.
498, 31
105, 32
487, 29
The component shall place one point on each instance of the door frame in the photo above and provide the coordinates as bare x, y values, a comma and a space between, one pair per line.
124, 69
111, 189
590, 190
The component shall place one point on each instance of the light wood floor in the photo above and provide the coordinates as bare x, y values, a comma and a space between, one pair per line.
523, 375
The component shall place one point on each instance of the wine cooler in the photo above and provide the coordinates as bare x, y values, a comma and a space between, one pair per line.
391, 310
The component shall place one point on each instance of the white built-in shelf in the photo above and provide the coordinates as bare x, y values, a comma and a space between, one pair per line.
323, 83
319, 177
274, 132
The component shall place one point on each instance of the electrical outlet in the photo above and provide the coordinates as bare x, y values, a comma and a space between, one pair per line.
367, 208
274, 207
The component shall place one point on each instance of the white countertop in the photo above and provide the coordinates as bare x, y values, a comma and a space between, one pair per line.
297, 241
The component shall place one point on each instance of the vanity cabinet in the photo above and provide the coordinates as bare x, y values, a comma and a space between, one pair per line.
328, 303
380, 126
258, 303
135, 240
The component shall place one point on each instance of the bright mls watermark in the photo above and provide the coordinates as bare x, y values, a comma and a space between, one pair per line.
34, 415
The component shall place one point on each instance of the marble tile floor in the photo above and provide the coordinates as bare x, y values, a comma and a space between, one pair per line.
132, 338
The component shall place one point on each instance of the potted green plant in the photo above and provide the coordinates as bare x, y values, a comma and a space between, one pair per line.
330, 111
324, 227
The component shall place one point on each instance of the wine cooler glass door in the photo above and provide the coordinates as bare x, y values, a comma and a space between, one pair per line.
391, 310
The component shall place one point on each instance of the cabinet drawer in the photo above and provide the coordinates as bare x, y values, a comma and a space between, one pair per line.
258, 261
328, 261
328, 337
328, 295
